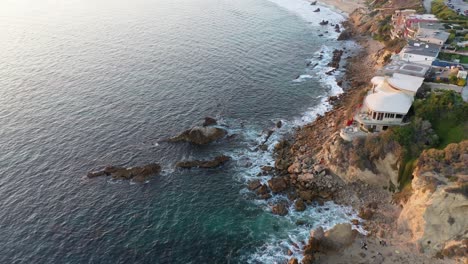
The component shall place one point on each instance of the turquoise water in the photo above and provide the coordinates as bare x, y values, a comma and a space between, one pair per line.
84, 84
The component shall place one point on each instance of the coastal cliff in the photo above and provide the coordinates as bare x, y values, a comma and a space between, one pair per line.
423, 219
435, 215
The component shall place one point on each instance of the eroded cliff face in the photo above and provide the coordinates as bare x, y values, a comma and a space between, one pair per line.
436, 214
373, 160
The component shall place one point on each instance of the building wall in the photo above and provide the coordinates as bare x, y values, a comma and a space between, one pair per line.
426, 60
432, 40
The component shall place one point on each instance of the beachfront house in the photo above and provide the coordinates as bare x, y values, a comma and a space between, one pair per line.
430, 35
420, 52
405, 23
403, 67
386, 104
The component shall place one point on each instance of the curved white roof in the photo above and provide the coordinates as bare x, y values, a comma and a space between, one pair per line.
386, 88
376, 80
405, 82
389, 102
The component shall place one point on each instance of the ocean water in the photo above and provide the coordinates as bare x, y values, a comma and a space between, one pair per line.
86, 83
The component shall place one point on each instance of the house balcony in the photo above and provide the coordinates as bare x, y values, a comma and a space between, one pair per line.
367, 120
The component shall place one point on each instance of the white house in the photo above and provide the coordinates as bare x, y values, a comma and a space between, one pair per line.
386, 104
397, 83
420, 52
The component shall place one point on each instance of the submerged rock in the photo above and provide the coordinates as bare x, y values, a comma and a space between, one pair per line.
279, 209
200, 135
216, 162
122, 173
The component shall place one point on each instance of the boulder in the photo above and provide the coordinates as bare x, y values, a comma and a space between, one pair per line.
267, 168
254, 185
209, 121
299, 205
345, 35
278, 184
293, 261
279, 209
200, 135
305, 177
366, 213
308, 195
317, 233
294, 168
122, 173
279, 124
340, 236
262, 190
308, 259
216, 162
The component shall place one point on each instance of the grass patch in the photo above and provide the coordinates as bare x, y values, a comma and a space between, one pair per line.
450, 132
443, 12
451, 57
446, 112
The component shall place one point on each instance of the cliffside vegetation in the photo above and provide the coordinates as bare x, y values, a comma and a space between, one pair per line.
443, 12
439, 119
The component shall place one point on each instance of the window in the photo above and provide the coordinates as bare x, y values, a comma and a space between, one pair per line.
380, 116
399, 116
384, 127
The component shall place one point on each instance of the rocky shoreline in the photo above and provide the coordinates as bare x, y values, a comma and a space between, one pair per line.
302, 172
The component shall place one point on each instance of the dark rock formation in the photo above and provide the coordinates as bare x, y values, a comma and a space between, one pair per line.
209, 121
299, 205
263, 189
335, 62
279, 124
324, 22
345, 35
216, 162
279, 209
200, 135
278, 184
254, 185
122, 173
317, 10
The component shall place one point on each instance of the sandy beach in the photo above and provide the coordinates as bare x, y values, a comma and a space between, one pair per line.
346, 6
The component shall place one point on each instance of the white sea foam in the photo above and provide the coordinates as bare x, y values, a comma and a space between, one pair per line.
293, 236
304, 10
303, 77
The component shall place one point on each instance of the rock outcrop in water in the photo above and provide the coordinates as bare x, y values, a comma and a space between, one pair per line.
200, 135
205, 164
122, 173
